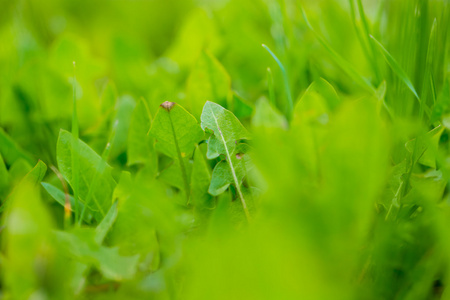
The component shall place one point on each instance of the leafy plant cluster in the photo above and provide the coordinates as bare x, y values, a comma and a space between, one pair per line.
172, 156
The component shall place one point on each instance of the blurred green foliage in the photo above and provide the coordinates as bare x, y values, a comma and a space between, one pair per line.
197, 164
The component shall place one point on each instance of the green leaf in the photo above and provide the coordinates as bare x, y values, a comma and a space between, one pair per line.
200, 180
36, 174
57, 194
427, 147
60, 197
81, 244
173, 175
125, 107
31, 179
19, 169
123, 188
108, 98
222, 175
316, 104
90, 168
105, 225
11, 151
241, 108
176, 132
442, 104
30, 251
226, 128
140, 144
208, 81
4, 178
144, 222
267, 116
227, 131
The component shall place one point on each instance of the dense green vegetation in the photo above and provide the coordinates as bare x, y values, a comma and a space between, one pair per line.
224, 149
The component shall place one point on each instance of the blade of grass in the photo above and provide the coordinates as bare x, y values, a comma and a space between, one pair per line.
359, 34
270, 86
285, 80
422, 100
357, 29
433, 89
342, 63
429, 62
372, 54
75, 147
395, 66
67, 206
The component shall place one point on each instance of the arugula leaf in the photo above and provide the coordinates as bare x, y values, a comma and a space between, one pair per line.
176, 132
226, 128
222, 175
227, 131
89, 163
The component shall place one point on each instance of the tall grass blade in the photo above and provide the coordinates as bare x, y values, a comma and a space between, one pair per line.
271, 87
285, 80
75, 147
342, 63
395, 66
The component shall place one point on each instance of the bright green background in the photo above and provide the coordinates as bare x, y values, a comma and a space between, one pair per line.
347, 190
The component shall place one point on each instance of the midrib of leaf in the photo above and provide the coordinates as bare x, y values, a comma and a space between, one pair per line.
236, 182
180, 158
